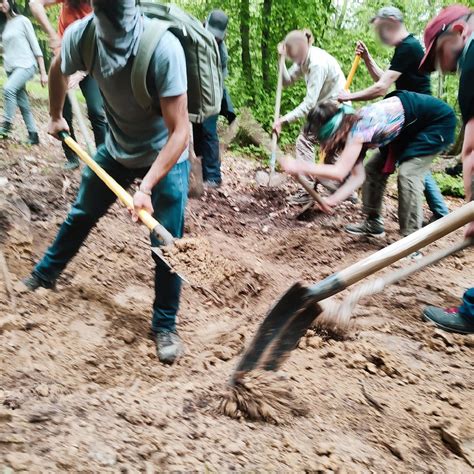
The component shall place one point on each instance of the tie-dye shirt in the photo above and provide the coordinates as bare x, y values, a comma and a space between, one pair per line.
380, 123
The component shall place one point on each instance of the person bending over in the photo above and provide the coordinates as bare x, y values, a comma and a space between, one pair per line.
404, 141
140, 144
403, 72
21, 55
324, 80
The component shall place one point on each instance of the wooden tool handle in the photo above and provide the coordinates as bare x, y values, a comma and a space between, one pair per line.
413, 242
76, 109
350, 77
426, 261
276, 116
126, 199
310, 190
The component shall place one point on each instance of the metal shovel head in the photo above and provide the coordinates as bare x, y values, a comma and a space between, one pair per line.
273, 180
274, 329
159, 253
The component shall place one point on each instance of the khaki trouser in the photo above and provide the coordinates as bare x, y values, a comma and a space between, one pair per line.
411, 177
305, 151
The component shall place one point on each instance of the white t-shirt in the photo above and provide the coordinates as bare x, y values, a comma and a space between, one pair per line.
324, 80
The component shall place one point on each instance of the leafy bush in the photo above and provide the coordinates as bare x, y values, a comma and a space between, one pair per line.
450, 185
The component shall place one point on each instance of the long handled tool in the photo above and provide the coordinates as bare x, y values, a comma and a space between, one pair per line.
295, 312
153, 225
337, 316
350, 77
76, 109
273, 158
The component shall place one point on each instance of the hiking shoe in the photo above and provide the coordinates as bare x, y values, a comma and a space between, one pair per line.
450, 319
33, 282
169, 346
33, 139
72, 163
212, 184
301, 198
372, 227
5, 130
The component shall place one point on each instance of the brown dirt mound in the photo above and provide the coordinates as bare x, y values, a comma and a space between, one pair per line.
262, 396
227, 279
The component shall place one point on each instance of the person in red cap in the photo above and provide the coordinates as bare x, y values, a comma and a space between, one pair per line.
449, 42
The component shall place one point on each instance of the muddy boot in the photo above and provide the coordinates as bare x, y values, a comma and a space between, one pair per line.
450, 319
169, 346
5, 130
372, 226
33, 282
33, 138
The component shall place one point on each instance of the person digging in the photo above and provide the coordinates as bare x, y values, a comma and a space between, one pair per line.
404, 74
449, 42
324, 80
139, 144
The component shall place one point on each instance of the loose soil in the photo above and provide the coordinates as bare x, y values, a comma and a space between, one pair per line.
81, 389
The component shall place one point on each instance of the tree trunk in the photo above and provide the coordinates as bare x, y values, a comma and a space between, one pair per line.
266, 24
245, 41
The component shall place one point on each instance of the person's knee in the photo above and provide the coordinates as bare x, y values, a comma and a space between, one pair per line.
10, 91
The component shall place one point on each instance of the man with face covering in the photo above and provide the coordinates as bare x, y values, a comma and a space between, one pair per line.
140, 144
449, 41
403, 72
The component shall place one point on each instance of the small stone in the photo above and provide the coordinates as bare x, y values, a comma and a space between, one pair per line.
324, 449
223, 353
19, 461
371, 368
11, 439
445, 337
128, 337
460, 441
315, 342
5, 415
42, 390
103, 454
236, 448
7, 323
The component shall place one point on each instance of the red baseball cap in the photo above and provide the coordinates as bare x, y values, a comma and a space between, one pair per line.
439, 24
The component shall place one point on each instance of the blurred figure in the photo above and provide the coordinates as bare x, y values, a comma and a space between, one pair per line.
449, 42
21, 56
71, 11
404, 73
206, 138
324, 80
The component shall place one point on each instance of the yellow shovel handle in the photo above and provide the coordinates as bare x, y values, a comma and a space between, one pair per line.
118, 190
350, 77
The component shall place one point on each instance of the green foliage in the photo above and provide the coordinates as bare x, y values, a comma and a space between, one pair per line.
450, 185
256, 152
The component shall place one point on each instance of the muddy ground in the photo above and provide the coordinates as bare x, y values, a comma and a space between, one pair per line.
81, 389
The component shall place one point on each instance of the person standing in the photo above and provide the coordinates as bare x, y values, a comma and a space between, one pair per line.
206, 138
71, 11
21, 55
404, 73
449, 42
140, 143
324, 80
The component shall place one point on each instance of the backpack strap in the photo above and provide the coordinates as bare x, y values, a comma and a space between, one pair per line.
151, 36
89, 46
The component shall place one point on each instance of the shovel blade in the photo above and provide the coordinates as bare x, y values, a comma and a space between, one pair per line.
158, 252
292, 302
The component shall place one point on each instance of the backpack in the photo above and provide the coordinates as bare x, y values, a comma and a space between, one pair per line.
204, 72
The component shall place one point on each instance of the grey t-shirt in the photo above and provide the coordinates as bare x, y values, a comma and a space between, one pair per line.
135, 136
20, 45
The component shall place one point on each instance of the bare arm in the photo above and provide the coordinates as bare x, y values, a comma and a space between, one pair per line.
38, 10
355, 181
468, 168
175, 115
379, 89
57, 85
338, 171
42, 69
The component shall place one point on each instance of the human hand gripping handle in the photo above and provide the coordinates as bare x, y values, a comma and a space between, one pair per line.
141, 206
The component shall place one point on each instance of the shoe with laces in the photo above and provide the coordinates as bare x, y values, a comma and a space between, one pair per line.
372, 227
300, 198
169, 346
33, 282
450, 319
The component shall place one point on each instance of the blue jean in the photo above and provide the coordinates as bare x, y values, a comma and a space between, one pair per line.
206, 145
434, 198
93, 200
15, 95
